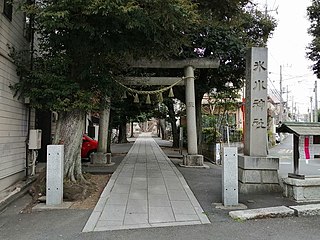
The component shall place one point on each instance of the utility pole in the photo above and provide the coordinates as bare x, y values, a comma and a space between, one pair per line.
311, 111
287, 104
292, 109
315, 101
281, 100
295, 113
266, 10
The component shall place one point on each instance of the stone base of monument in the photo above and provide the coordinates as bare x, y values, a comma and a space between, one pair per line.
302, 190
100, 158
258, 174
193, 161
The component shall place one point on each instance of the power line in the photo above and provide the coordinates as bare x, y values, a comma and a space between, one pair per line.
274, 58
294, 77
298, 76
278, 93
274, 92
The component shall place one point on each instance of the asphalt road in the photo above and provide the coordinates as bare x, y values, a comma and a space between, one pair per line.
284, 151
67, 224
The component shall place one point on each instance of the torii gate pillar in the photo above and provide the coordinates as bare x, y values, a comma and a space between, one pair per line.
192, 159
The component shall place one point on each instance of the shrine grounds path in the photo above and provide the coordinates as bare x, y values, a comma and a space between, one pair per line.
146, 190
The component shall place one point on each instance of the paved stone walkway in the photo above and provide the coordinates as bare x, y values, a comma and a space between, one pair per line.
146, 190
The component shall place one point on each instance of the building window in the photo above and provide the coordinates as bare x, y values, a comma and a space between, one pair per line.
7, 9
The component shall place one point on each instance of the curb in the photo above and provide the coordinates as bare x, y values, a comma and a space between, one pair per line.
276, 212
41, 207
306, 210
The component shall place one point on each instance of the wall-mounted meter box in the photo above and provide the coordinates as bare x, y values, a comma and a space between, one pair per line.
35, 139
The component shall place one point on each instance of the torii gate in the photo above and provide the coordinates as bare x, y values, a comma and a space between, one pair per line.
193, 158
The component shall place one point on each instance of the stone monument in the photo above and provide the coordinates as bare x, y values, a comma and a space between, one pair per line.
257, 171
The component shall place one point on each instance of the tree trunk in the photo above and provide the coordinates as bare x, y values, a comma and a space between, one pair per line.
122, 138
175, 134
110, 131
162, 123
198, 104
109, 141
131, 129
158, 128
69, 131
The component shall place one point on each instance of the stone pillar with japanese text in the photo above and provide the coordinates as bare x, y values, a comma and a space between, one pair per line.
256, 142
257, 171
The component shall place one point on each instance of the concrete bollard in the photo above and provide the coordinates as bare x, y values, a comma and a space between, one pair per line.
230, 176
55, 171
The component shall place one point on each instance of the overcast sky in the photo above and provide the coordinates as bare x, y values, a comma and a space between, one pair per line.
287, 47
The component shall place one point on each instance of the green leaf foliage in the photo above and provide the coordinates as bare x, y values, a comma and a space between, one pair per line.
313, 53
82, 46
227, 29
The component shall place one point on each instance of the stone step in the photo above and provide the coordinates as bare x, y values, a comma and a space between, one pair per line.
307, 210
274, 212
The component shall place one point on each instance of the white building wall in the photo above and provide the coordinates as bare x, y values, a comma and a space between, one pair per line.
13, 113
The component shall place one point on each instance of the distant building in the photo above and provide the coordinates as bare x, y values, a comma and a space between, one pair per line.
213, 107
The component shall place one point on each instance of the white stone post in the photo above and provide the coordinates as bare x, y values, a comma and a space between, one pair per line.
230, 176
191, 111
55, 171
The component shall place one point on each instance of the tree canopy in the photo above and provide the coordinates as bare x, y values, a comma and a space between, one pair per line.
314, 48
83, 45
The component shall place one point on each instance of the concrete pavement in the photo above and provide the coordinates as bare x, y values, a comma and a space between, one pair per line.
146, 190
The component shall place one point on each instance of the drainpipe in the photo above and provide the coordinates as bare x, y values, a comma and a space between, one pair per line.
31, 25
27, 141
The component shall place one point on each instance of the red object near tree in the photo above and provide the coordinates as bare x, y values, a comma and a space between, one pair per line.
89, 146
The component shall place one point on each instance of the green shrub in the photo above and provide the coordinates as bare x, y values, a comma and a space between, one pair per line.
210, 135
